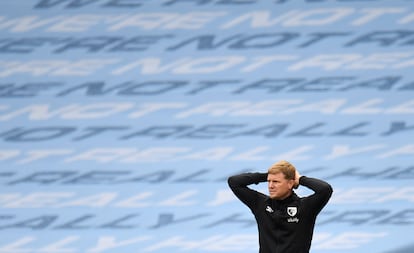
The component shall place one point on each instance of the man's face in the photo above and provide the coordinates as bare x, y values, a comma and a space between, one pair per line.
279, 187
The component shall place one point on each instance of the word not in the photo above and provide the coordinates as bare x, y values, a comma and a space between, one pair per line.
119, 44
163, 154
203, 132
189, 197
209, 64
234, 87
240, 109
106, 177
205, 220
223, 20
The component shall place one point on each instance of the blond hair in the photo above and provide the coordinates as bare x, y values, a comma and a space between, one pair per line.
284, 167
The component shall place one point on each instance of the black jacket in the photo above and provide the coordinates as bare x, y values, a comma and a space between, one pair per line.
285, 226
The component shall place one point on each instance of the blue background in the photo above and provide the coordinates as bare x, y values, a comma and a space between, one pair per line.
120, 121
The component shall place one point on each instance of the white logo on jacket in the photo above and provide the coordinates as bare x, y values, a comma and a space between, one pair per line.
269, 209
292, 210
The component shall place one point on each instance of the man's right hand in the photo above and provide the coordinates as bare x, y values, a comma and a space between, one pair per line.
297, 176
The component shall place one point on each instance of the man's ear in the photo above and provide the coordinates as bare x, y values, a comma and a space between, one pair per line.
292, 184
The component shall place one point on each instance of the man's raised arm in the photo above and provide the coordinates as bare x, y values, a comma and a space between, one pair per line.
238, 184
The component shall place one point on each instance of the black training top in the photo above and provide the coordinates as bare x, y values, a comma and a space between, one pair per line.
285, 226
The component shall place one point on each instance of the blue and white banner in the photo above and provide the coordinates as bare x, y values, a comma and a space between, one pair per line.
120, 121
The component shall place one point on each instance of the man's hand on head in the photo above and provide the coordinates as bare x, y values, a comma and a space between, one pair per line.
297, 176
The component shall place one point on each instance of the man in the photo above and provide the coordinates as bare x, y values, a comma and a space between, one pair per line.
285, 221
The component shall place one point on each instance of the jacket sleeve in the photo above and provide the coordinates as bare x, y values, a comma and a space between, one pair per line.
322, 192
238, 184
